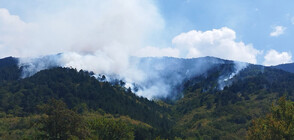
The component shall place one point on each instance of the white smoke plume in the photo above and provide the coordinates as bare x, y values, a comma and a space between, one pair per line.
30, 66
100, 36
225, 80
163, 77
105, 33
151, 77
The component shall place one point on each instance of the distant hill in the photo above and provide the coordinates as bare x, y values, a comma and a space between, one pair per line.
286, 67
9, 69
8, 61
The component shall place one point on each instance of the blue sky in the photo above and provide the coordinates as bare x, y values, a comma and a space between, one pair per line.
262, 30
252, 20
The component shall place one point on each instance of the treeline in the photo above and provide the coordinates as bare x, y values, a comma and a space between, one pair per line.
58, 122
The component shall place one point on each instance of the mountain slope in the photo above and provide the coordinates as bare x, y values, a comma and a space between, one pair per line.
164, 77
286, 67
76, 89
227, 113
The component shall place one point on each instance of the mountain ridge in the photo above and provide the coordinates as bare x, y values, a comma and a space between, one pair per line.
286, 67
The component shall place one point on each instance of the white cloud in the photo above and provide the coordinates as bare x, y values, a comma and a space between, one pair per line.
278, 30
13, 33
157, 52
11, 22
274, 58
217, 42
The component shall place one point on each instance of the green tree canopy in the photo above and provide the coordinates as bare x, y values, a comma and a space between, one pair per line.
110, 129
277, 125
60, 122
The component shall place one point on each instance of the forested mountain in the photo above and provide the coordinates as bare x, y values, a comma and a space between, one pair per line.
228, 113
80, 92
213, 102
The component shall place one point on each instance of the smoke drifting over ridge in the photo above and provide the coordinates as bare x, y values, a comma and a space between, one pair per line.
101, 36
112, 29
30, 66
105, 33
151, 77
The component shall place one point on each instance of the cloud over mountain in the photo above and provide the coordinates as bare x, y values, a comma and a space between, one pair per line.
274, 58
217, 42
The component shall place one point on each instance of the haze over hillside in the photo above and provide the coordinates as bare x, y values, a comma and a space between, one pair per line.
150, 77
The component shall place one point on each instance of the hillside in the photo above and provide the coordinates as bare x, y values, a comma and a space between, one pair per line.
80, 92
211, 98
165, 76
286, 67
227, 114
9, 69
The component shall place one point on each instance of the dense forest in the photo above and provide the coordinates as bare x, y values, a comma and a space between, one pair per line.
81, 93
227, 114
64, 103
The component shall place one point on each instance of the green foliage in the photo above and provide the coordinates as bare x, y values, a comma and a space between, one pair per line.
279, 124
207, 113
12, 128
61, 123
80, 92
110, 129
91, 126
